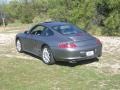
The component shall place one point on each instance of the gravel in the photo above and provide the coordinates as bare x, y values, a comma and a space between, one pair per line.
109, 62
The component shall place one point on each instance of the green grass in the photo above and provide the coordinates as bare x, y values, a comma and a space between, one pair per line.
32, 74
23, 74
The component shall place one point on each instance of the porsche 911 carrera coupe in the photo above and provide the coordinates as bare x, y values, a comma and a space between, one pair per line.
59, 41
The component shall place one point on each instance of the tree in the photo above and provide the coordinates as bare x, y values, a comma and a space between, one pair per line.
84, 13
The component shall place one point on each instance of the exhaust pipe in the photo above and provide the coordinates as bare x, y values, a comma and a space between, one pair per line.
73, 61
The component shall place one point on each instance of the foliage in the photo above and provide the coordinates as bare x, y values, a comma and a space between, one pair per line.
84, 13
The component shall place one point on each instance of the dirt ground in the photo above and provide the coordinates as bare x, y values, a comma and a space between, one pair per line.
108, 63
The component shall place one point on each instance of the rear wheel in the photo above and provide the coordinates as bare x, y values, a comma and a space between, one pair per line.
19, 46
47, 56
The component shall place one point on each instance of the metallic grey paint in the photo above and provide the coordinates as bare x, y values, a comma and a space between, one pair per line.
85, 42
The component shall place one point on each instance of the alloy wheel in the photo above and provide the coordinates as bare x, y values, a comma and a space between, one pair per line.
46, 55
18, 46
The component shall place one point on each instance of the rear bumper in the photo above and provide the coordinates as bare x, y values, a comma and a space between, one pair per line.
77, 54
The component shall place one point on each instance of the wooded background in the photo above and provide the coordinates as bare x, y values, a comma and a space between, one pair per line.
100, 17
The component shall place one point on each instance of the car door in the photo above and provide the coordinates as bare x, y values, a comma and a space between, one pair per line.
33, 37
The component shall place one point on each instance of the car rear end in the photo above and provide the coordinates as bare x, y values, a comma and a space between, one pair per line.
78, 48
76, 44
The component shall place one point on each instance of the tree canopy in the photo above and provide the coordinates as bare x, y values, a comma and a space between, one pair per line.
88, 14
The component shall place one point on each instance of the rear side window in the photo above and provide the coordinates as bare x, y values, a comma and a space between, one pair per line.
67, 29
47, 32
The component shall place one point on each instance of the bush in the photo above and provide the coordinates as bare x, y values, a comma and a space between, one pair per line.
26, 19
41, 18
105, 13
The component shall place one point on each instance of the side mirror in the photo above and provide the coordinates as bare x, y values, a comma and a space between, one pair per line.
26, 32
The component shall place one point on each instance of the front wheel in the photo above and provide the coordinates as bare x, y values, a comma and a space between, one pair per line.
47, 56
19, 46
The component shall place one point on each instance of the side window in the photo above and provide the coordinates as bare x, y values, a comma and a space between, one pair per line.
47, 32
37, 30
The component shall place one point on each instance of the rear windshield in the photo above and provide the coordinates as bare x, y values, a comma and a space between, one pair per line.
67, 29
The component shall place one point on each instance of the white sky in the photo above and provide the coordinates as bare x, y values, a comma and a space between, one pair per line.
4, 1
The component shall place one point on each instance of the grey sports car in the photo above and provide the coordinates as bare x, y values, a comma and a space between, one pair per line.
58, 41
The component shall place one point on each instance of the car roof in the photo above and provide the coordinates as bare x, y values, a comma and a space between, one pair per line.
53, 23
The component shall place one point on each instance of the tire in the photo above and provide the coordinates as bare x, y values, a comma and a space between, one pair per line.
19, 46
47, 56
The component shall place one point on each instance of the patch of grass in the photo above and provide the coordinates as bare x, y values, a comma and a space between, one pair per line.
24, 74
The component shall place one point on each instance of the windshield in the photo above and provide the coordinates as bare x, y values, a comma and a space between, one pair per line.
67, 29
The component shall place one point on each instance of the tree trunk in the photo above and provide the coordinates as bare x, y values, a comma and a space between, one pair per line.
3, 20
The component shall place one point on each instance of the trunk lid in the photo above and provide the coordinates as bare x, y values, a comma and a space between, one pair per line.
82, 39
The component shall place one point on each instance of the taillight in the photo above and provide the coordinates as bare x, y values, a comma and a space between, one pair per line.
98, 41
67, 45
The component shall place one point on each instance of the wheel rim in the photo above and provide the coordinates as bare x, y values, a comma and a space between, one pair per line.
18, 45
46, 55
